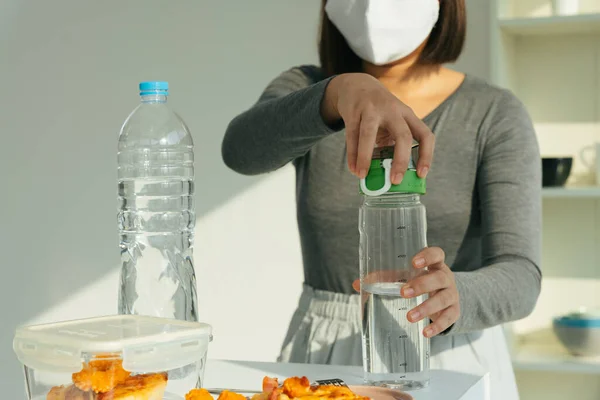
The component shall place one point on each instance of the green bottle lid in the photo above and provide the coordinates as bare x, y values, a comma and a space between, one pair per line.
378, 179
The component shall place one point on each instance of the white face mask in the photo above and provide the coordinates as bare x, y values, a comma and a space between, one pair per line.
383, 31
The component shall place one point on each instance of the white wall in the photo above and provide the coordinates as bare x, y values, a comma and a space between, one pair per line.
475, 58
70, 70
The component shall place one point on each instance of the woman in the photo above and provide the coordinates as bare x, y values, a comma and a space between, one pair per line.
381, 80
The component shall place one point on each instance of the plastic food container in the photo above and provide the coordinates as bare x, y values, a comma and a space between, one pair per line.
121, 357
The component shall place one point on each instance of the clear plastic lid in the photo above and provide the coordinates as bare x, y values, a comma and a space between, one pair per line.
144, 343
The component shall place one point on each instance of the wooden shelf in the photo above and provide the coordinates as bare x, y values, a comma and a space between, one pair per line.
583, 23
549, 355
571, 192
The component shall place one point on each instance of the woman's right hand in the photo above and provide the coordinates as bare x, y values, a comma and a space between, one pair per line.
373, 115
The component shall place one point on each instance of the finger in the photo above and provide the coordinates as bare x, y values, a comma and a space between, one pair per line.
426, 148
402, 151
433, 305
449, 316
422, 134
356, 285
424, 284
435, 316
352, 130
400, 133
429, 257
369, 124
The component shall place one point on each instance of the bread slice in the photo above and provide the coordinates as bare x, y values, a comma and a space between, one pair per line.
138, 387
69, 393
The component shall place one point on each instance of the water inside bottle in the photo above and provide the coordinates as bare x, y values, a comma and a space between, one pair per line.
156, 222
395, 352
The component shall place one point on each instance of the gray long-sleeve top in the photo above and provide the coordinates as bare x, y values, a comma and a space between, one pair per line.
483, 190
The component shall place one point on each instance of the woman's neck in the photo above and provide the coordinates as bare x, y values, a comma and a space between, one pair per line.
403, 76
421, 87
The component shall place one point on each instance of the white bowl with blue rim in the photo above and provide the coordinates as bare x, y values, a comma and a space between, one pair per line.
579, 332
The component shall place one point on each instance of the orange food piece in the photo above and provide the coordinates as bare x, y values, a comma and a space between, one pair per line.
261, 396
100, 375
276, 394
297, 387
138, 387
198, 394
269, 384
227, 395
68, 393
333, 392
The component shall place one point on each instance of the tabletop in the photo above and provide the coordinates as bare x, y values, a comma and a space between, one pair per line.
446, 385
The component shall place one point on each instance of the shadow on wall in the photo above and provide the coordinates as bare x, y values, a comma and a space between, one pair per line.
74, 70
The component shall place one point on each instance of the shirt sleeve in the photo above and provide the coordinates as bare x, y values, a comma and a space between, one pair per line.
283, 125
509, 190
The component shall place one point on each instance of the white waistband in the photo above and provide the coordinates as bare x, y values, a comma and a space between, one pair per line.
330, 305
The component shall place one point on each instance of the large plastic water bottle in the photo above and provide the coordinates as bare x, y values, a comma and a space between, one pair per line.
156, 210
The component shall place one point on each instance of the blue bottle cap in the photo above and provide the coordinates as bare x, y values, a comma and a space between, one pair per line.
154, 87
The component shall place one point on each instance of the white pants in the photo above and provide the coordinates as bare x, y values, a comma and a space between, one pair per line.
325, 329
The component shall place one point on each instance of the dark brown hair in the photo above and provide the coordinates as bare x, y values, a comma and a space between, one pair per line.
444, 45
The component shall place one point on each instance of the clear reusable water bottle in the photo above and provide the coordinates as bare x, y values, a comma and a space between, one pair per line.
156, 210
392, 231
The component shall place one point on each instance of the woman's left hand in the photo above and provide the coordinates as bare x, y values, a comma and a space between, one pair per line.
442, 306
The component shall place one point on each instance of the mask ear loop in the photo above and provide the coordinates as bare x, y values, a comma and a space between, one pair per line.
387, 167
